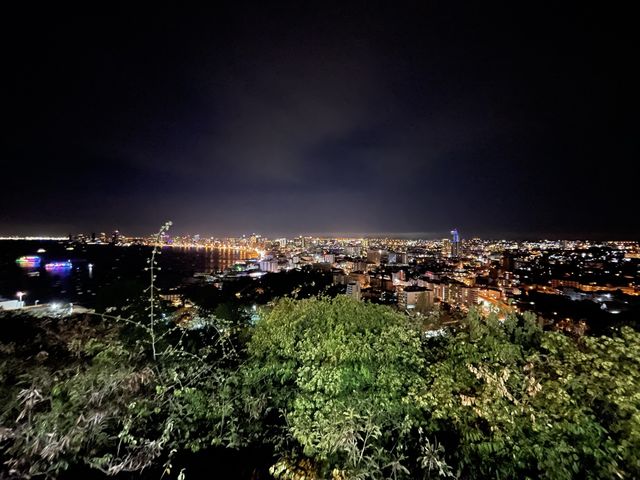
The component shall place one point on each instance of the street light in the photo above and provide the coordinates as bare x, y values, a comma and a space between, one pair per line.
20, 295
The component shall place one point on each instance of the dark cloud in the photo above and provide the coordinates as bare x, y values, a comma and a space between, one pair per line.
292, 119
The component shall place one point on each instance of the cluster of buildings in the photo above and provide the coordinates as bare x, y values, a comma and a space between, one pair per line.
418, 274
492, 275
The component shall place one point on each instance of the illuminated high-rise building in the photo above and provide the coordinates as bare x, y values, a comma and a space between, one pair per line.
269, 265
352, 251
415, 298
455, 243
375, 256
445, 250
353, 290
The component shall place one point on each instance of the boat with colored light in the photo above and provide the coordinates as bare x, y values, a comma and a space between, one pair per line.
29, 261
59, 265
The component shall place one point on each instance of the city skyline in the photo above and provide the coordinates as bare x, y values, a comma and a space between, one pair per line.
347, 119
197, 237
430, 236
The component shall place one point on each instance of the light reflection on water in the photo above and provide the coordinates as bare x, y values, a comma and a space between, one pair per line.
97, 267
209, 260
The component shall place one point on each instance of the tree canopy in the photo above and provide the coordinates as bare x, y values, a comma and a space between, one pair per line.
343, 375
509, 400
329, 388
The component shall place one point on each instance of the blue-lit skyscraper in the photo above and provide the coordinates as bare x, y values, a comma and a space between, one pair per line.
455, 243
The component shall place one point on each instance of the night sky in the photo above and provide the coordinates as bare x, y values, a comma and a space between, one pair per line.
407, 119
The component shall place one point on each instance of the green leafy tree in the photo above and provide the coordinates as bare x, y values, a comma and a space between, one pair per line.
341, 377
598, 378
511, 401
86, 391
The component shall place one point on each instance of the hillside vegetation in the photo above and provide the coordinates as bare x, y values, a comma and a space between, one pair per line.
322, 388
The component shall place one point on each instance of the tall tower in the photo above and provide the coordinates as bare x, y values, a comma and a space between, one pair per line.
455, 243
